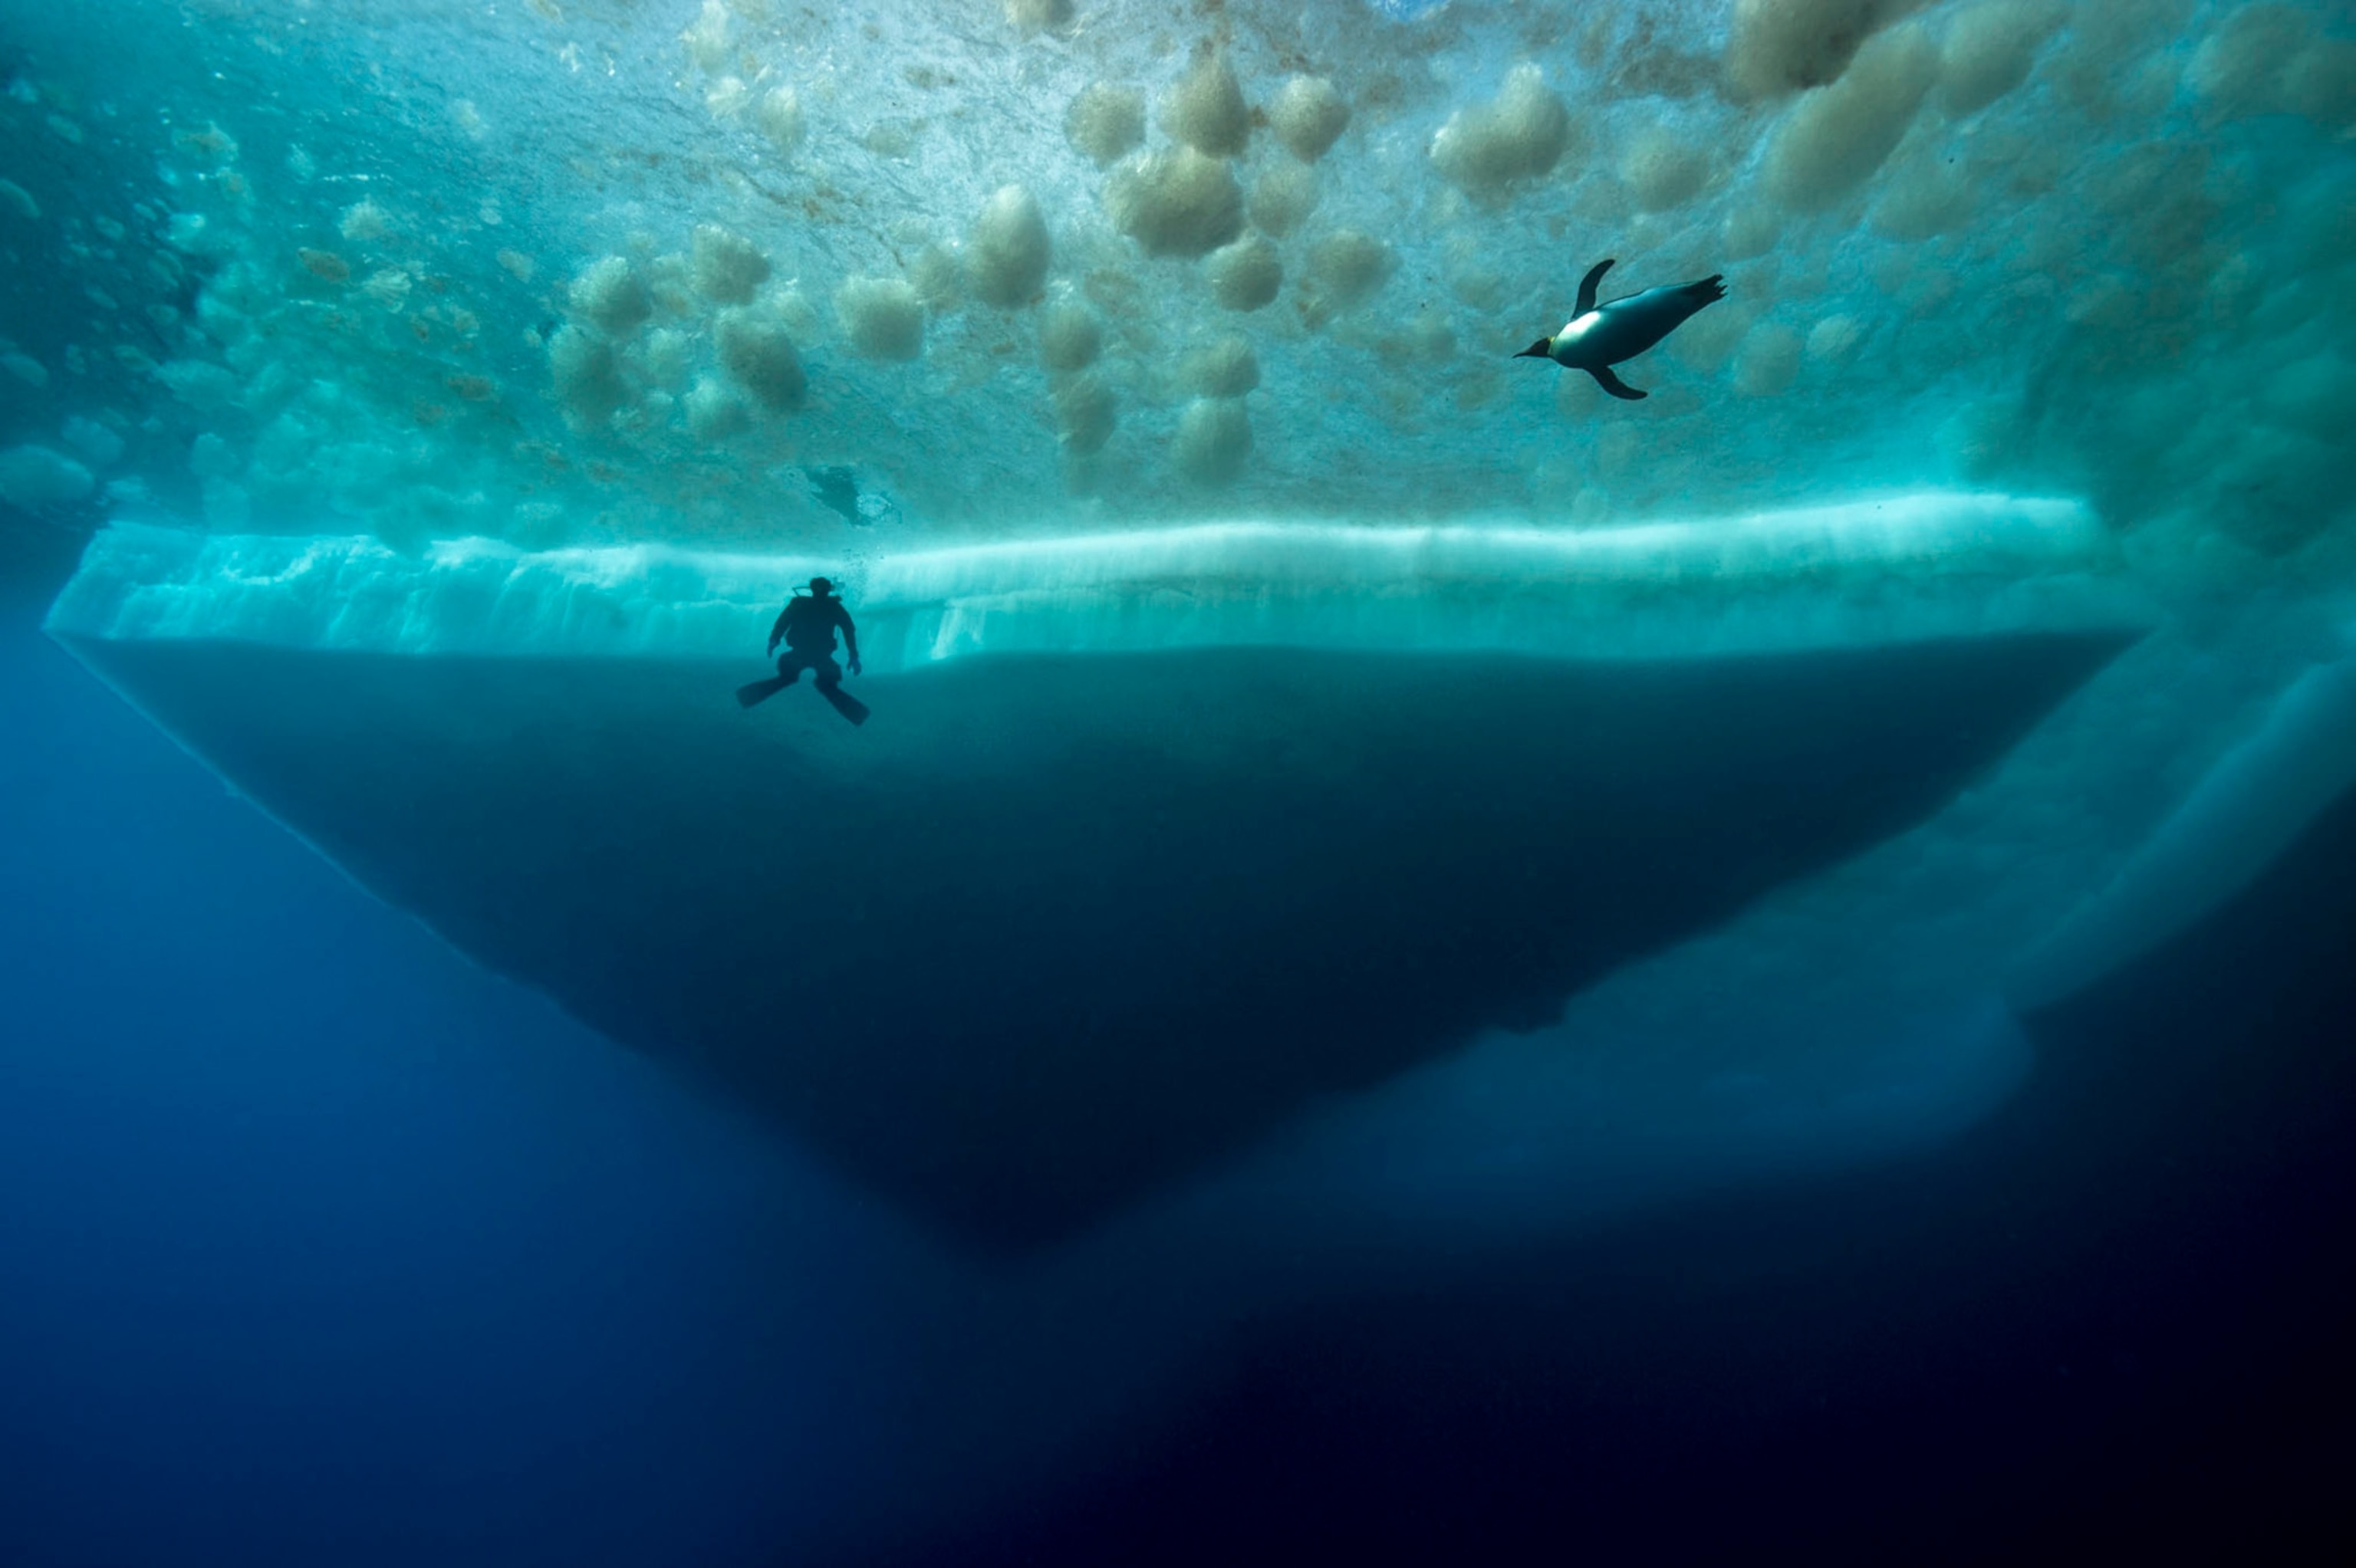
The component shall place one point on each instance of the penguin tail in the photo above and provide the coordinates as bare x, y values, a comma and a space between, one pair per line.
1709, 291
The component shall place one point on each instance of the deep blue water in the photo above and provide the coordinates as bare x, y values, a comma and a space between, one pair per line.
318, 1246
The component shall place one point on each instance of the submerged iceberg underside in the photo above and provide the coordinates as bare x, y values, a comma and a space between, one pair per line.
1060, 927
1057, 928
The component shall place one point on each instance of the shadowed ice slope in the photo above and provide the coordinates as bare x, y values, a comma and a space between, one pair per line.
2108, 1324
1053, 931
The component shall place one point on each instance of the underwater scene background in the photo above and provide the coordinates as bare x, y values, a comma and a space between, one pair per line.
1412, 957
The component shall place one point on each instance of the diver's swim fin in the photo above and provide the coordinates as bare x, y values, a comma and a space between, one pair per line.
760, 691
1613, 384
850, 707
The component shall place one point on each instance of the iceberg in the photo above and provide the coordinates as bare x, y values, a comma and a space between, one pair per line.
1335, 792
1160, 838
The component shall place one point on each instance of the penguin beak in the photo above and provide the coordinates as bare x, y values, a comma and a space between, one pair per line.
1542, 349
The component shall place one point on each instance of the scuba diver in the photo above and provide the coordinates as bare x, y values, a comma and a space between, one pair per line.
807, 626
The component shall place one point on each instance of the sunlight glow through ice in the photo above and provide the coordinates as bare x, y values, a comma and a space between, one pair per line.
1899, 568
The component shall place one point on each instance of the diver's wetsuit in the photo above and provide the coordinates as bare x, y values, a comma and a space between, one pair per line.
807, 626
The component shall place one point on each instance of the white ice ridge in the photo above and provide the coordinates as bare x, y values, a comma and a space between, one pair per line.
1896, 568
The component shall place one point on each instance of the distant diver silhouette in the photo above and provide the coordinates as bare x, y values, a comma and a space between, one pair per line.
807, 626
1598, 337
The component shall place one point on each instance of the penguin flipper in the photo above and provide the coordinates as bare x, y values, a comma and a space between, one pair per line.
1613, 384
1587, 286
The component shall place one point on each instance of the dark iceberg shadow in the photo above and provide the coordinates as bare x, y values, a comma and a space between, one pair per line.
2108, 1324
1052, 932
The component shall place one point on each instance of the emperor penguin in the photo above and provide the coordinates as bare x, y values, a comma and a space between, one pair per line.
1598, 336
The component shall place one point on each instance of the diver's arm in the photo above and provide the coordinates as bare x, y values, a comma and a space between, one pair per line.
777, 632
850, 637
